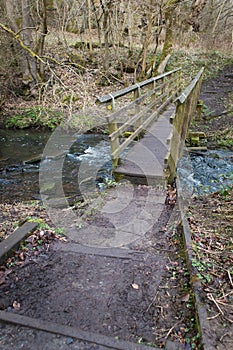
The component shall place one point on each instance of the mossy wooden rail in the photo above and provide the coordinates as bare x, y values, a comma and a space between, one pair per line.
186, 108
150, 98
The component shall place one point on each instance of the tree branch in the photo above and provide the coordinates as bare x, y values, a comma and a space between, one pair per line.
21, 43
30, 51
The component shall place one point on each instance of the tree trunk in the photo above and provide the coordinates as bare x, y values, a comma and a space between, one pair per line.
19, 16
30, 68
89, 30
130, 26
147, 40
168, 41
197, 7
43, 32
106, 28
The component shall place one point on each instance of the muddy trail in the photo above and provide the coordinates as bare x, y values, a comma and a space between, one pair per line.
133, 292
217, 96
112, 283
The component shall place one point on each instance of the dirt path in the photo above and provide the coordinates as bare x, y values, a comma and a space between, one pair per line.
217, 95
210, 220
136, 292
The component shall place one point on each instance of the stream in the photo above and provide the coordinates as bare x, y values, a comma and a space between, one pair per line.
20, 162
206, 172
20, 156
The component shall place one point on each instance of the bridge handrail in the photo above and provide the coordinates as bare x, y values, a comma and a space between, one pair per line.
186, 106
135, 102
184, 95
147, 105
116, 94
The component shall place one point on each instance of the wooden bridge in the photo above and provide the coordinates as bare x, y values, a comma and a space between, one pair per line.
158, 112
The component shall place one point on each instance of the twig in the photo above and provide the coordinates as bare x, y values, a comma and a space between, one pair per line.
226, 295
207, 251
152, 302
229, 275
224, 335
161, 310
171, 329
210, 297
213, 317
228, 319
225, 304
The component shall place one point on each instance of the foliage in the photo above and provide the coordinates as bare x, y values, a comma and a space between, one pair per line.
73, 76
191, 62
34, 117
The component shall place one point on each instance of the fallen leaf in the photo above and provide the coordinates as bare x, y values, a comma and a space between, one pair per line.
21, 256
185, 297
135, 286
16, 305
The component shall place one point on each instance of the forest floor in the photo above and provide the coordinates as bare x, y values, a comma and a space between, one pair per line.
146, 299
211, 217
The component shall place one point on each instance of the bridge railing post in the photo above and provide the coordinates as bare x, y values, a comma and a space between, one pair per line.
112, 127
137, 93
163, 90
114, 144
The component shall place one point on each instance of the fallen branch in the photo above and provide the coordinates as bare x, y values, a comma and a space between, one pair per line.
210, 297
216, 302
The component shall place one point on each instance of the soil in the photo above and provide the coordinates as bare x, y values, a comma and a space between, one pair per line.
210, 221
210, 218
145, 299
217, 92
216, 122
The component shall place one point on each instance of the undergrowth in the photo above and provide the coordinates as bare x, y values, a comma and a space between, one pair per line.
85, 87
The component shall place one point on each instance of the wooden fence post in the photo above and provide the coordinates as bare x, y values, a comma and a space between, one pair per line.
137, 93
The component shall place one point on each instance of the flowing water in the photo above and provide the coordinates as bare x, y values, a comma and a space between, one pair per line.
87, 161
20, 161
206, 172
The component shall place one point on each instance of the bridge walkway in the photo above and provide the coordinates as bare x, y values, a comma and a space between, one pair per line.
144, 163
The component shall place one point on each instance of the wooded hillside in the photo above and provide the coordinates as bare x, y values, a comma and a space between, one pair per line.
122, 41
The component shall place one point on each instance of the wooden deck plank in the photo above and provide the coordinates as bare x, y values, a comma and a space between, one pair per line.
73, 332
13, 241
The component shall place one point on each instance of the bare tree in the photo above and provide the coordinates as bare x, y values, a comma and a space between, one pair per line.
196, 9
22, 24
169, 8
